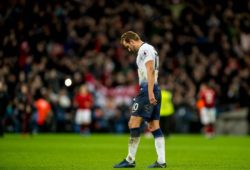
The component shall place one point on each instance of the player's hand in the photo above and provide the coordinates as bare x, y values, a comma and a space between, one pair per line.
152, 99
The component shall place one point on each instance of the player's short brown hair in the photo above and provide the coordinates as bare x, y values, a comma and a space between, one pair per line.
129, 35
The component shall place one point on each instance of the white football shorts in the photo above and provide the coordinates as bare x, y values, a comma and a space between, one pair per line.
208, 115
83, 116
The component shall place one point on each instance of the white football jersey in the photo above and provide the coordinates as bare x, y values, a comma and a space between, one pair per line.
146, 53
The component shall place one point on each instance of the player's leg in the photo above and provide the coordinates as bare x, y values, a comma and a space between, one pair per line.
154, 127
86, 121
134, 126
205, 121
212, 119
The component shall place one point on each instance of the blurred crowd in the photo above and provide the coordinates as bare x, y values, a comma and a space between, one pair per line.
51, 49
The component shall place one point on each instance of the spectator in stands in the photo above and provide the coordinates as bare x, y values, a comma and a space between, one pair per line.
3, 106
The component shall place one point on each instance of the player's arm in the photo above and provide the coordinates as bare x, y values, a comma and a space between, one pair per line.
151, 79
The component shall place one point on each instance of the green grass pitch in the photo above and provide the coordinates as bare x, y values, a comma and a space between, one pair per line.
101, 152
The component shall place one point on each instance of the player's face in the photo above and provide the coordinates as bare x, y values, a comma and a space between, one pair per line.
129, 46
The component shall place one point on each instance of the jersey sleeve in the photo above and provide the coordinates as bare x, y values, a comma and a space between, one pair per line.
147, 55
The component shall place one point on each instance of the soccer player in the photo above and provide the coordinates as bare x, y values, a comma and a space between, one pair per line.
147, 103
83, 101
208, 111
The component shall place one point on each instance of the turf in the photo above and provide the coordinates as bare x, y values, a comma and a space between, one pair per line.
101, 152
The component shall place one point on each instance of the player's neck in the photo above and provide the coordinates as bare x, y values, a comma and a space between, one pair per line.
139, 44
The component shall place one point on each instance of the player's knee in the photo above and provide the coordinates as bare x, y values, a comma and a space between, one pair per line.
150, 128
153, 126
134, 123
129, 124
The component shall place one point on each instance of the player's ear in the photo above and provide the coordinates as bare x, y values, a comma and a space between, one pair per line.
122, 42
132, 42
